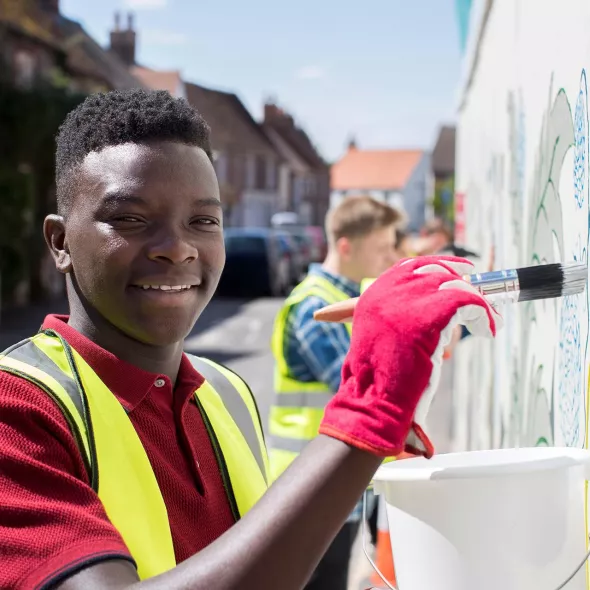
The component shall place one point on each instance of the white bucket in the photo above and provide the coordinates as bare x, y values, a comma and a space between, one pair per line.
509, 519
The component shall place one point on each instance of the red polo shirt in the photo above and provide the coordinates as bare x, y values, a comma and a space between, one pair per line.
51, 521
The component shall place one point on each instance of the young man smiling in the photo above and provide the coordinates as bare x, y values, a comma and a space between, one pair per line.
125, 463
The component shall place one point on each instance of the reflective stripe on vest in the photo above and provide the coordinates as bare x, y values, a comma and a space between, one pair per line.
119, 468
298, 406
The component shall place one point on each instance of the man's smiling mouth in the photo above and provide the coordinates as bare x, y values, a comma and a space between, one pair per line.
175, 288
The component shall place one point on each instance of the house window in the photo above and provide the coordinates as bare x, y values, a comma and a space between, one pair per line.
220, 163
271, 174
25, 66
259, 172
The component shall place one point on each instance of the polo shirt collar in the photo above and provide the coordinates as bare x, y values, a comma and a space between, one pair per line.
128, 383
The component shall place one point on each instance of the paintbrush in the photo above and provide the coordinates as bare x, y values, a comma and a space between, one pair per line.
543, 281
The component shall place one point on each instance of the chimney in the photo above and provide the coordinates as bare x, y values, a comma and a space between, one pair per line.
274, 115
123, 41
352, 144
49, 6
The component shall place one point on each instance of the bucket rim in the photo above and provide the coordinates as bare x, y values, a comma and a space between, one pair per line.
495, 463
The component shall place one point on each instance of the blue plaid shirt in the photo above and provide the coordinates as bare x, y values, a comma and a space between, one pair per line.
315, 351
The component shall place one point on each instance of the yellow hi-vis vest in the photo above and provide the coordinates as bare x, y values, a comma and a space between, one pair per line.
366, 283
298, 406
118, 466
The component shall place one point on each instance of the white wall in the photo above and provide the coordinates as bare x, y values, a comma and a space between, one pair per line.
522, 166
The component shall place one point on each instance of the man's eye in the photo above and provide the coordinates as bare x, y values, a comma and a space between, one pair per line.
127, 219
205, 221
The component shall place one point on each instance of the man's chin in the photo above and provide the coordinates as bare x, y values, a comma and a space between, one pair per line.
161, 330
168, 336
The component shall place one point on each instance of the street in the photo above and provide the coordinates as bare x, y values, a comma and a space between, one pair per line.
237, 333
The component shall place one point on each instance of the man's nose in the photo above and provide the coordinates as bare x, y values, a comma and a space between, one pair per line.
173, 247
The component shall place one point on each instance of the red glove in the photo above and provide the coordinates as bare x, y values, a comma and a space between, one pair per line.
402, 323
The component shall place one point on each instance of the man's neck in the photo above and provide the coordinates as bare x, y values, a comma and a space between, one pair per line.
334, 265
164, 360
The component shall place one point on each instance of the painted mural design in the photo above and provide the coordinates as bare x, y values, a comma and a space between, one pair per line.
536, 392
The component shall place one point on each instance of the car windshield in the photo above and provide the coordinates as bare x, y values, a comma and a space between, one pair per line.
245, 245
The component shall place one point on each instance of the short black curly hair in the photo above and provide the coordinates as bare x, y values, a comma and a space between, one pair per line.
117, 117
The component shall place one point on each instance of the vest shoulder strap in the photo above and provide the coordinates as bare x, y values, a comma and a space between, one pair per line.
66, 392
235, 405
316, 285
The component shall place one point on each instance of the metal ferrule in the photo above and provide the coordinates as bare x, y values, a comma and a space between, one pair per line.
498, 285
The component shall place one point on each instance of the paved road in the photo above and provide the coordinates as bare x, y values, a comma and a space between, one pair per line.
237, 333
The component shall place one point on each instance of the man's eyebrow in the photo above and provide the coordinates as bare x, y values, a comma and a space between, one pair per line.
119, 198
209, 201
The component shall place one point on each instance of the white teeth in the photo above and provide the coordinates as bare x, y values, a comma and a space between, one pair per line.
166, 287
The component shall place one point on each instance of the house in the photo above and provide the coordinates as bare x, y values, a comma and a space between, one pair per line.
398, 177
40, 43
93, 68
443, 173
29, 47
49, 63
246, 161
304, 183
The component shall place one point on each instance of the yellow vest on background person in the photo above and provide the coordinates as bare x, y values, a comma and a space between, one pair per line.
111, 447
366, 283
298, 406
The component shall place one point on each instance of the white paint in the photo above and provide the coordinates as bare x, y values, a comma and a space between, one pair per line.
522, 165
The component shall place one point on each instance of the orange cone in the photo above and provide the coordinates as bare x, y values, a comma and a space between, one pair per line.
383, 553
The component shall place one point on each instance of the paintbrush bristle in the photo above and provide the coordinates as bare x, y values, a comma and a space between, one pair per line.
551, 280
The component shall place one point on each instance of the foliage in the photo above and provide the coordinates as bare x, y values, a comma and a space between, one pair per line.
29, 120
444, 198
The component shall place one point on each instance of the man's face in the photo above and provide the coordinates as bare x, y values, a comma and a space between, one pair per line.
145, 238
373, 254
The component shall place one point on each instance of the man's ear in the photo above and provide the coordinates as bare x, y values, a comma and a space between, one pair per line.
343, 247
54, 230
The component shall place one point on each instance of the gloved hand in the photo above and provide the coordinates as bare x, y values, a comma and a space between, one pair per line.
401, 326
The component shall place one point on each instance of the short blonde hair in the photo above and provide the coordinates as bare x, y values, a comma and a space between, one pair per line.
357, 217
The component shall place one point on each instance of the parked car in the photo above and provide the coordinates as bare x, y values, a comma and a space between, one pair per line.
256, 264
319, 242
305, 245
297, 260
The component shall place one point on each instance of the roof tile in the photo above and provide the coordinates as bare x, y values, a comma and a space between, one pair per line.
374, 169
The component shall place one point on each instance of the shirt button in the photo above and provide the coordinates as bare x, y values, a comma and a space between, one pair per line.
160, 383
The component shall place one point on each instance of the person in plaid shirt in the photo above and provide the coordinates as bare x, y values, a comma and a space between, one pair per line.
361, 234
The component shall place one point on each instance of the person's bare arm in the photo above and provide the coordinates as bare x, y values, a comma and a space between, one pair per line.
277, 544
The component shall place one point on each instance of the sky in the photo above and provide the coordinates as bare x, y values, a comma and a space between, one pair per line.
383, 71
